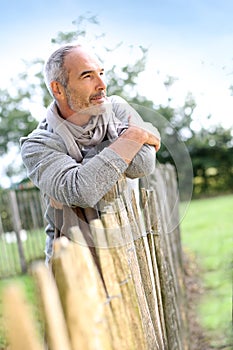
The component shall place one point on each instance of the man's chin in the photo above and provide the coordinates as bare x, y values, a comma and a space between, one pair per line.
100, 108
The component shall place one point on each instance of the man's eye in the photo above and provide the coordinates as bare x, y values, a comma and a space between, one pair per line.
87, 76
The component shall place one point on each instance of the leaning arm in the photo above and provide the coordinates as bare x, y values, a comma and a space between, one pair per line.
62, 178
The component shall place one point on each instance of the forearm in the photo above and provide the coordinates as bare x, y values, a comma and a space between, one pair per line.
69, 182
132, 140
143, 164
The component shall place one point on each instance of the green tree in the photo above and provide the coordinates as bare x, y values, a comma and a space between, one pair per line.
15, 119
211, 153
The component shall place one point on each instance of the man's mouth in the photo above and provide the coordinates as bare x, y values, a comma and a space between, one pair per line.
99, 98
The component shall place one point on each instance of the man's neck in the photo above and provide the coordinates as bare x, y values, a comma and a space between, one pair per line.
76, 118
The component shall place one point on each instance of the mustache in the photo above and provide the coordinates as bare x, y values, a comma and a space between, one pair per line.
99, 94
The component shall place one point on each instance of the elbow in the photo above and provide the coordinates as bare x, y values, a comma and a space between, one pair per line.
143, 164
149, 160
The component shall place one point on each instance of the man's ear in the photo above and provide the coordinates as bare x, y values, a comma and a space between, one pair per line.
58, 90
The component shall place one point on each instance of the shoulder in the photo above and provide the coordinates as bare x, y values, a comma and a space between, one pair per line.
115, 99
118, 103
43, 137
120, 107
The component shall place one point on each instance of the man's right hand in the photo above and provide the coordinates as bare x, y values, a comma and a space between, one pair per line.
131, 141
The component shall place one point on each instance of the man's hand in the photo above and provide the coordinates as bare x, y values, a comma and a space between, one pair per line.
55, 204
131, 141
141, 136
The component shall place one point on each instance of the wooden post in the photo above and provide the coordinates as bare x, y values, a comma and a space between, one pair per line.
125, 280
1, 226
151, 225
140, 273
126, 339
17, 229
166, 266
56, 328
82, 295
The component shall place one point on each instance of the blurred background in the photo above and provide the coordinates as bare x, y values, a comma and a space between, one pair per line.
173, 61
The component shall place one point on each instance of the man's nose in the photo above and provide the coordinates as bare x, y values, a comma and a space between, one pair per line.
101, 85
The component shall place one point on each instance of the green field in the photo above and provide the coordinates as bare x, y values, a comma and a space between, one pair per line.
207, 233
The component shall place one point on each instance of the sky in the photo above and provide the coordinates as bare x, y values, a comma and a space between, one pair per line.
189, 40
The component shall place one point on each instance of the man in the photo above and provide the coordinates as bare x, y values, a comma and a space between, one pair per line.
86, 142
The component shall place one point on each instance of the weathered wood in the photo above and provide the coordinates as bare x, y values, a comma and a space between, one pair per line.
125, 281
82, 295
176, 248
151, 225
147, 270
20, 324
56, 329
167, 270
140, 273
114, 295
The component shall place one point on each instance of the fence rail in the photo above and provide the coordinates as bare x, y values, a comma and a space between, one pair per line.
131, 296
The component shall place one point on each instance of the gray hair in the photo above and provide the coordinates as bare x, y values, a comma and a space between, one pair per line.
54, 69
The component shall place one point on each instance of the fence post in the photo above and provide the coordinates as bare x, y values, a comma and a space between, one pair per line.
1, 226
17, 228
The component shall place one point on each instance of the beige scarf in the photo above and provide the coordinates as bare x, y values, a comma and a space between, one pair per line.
76, 139
100, 127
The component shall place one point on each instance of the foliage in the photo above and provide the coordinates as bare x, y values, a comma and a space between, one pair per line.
211, 153
14, 118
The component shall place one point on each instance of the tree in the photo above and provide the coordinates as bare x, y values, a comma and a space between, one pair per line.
211, 153
15, 120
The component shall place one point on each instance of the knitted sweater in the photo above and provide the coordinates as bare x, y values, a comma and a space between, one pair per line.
81, 184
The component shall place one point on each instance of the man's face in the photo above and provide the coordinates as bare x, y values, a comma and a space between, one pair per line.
86, 88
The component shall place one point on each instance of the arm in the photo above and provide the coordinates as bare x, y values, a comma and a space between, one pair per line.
62, 178
143, 162
131, 141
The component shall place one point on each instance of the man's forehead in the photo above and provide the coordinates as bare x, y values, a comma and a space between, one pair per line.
83, 59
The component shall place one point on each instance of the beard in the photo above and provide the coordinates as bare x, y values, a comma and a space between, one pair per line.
86, 107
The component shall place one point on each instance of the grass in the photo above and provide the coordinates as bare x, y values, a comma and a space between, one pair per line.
207, 232
33, 248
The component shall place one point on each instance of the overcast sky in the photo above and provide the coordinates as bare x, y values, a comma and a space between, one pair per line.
191, 40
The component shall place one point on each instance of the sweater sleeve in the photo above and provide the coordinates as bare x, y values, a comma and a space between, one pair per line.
143, 163
62, 178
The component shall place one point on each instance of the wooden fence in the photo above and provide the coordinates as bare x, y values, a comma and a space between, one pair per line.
131, 296
22, 236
